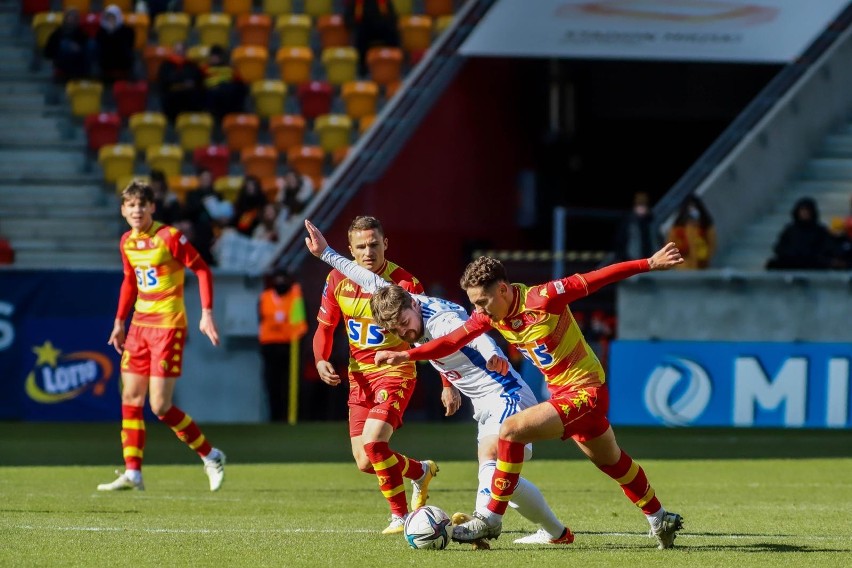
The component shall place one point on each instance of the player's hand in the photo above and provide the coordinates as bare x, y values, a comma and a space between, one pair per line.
207, 325
451, 399
497, 363
665, 258
116, 338
315, 241
391, 357
327, 373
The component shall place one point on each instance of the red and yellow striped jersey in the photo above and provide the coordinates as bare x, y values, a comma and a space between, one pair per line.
342, 296
155, 261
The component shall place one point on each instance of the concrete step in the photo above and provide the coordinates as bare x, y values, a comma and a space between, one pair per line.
60, 228
65, 245
828, 169
16, 162
68, 259
22, 87
59, 195
93, 213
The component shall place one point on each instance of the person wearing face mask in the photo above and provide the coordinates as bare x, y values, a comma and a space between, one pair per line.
115, 45
694, 234
281, 313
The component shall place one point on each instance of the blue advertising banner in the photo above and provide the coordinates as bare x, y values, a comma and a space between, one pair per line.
682, 383
55, 363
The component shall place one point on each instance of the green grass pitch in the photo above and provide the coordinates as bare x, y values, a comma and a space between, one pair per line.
292, 497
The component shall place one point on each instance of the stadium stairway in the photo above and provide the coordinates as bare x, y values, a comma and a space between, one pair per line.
53, 208
826, 177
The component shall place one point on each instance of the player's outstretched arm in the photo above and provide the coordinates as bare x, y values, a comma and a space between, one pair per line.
384, 357
207, 325
315, 241
667, 257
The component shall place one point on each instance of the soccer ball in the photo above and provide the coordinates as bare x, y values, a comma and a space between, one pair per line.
426, 528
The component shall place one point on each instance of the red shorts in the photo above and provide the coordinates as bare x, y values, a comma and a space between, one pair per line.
582, 410
384, 398
154, 351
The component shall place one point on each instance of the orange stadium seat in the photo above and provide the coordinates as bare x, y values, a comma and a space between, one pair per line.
166, 158
250, 62
307, 160
198, 54
385, 64
365, 123
236, 7
341, 64
148, 129
130, 97
360, 98
293, 29
102, 129
317, 8
154, 55
171, 28
240, 130
259, 161
214, 158
254, 29
81, 6
277, 7
197, 7
268, 97
294, 63
442, 23
332, 31
214, 29
85, 97
391, 89
43, 25
194, 129
116, 161
123, 5
288, 131
436, 8
315, 99
181, 185
140, 23
334, 131
415, 32
339, 155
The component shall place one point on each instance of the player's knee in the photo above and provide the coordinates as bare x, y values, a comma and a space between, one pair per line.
512, 430
160, 407
364, 464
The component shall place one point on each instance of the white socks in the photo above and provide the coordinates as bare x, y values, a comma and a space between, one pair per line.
133, 475
656, 519
527, 500
213, 455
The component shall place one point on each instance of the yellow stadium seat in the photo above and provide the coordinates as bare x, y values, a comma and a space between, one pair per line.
259, 161
442, 23
341, 64
294, 63
385, 64
166, 158
194, 129
293, 29
43, 25
85, 97
214, 29
82, 6
240, 130
140, 23
148, 129
124, 180
403, 7
171, 28
277, 7
198, 53
181, 185
288, 131
116, 161
268, 97
197, 7
360, 98
229, 187
437, 8
365, 123
123, 5
254, 29
250, 62
236, 7
334, 131
415, 32
317, 8
307, 160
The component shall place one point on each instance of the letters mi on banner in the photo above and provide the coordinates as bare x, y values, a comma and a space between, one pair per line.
55, 363
793, 385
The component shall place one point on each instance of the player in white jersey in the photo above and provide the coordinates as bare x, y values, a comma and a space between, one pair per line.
495, 396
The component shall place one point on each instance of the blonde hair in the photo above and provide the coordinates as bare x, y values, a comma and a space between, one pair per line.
138, 189
387, 305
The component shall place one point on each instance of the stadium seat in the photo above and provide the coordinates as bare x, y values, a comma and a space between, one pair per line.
130, 97
124, 180
140, 23
334, 131
332, 31
197, 7
339, 155
250, 62
341, 64
171, 28
148, 129
391, 89
442, 23
365, 123
385, 64
288, 131
294, 64
33, 7
315, 99
85, 97
254, 29
116, 161
403, 7
214, 29
269, 186
181, 185
277, 7
90, 23
308, 161
360, 98
268, 97
293, 30
437, 8
236, 7
229, 187
81, 6
214, 158
154, 55
102, 129
43, 25
166, 158
415, 32
259, 161
240, 130
317, 8
123, 5
194, 129
198, 54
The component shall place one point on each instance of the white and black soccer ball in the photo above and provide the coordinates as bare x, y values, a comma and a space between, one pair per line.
427, 528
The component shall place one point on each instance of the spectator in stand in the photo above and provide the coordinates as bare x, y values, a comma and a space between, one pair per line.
205, 209
694, 234
68, 48
805, 243
167, 207
842, 245
226, 92
372, 23
267, 228
635, 237
248, 206
181, 84
294, 192
114, 42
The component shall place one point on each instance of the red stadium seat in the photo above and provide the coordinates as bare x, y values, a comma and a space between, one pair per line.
315, 98
33, 7
90, 23
130, 97
102, 129
214, 158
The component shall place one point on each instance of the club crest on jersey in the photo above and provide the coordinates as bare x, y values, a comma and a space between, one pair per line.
381, 396
516, 323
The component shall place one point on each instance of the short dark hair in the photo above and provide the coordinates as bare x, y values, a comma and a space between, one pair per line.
484, 271
138, 189
365, 223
